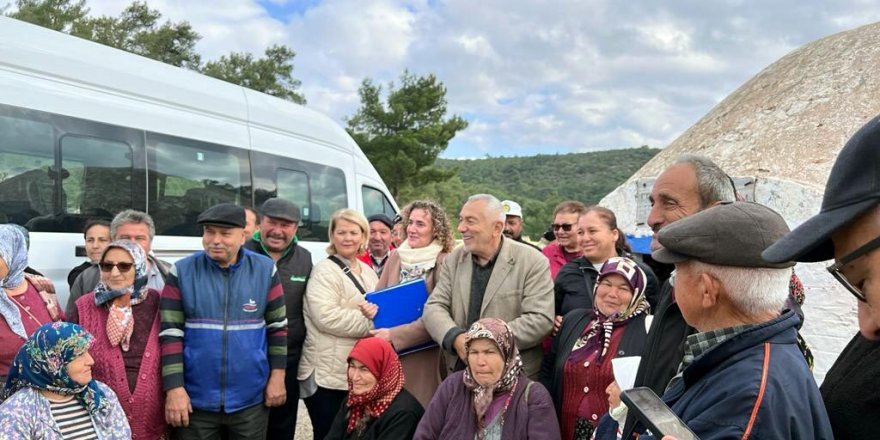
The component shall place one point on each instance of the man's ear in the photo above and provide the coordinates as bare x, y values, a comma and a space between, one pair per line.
710, 289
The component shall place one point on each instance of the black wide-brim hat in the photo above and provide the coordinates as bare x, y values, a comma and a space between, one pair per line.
853, 188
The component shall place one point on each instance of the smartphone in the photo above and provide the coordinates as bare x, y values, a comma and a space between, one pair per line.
653, 412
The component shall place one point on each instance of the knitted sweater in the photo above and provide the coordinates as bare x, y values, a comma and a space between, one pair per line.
145, 408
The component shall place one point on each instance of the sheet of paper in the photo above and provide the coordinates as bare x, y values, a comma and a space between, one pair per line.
625, 369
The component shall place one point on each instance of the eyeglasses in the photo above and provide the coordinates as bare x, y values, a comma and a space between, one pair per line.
123, 267
834, 269
564, 226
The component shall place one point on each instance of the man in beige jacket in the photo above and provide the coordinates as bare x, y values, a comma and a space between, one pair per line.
490, 277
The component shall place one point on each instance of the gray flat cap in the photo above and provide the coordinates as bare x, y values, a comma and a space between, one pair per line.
280, 208
729, 234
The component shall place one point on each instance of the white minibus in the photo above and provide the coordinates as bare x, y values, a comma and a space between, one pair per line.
87, 131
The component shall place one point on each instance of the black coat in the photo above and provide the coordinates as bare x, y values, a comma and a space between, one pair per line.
664, 348
294, 270
573, 325
573, 288
850, 391
398, 422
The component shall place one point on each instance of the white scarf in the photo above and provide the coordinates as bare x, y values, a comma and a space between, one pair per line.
417, 263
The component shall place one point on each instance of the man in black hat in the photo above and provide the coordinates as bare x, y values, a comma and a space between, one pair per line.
743, 373
379, 245
847, 229
277, 240
223, 335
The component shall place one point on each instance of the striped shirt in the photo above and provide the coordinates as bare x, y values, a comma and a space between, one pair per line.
73, 420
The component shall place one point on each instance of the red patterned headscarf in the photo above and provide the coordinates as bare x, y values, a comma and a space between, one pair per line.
379, 357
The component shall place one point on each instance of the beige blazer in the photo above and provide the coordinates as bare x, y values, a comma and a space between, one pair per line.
334, 322
519, 292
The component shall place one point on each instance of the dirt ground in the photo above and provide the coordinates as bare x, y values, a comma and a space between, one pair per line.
303, 424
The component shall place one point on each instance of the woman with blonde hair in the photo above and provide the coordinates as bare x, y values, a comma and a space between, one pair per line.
428, 241
334, 319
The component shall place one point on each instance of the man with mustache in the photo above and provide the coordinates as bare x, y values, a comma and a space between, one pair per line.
490, 276
224, 335
277, 240
379, 246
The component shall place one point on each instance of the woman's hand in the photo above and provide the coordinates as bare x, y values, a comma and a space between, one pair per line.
613, 392
382, 333
557, 323
369, 310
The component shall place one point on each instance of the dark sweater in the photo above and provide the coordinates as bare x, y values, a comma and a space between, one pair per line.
398, 422
850, 390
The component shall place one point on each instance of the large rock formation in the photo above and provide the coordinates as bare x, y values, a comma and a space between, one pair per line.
779, 134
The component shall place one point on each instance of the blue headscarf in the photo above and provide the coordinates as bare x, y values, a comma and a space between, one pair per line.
104, 293
13, 251
41, 363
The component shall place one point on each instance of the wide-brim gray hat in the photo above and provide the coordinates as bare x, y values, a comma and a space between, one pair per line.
853, 188
729, 234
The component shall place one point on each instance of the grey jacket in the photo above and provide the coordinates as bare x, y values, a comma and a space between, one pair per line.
519, 292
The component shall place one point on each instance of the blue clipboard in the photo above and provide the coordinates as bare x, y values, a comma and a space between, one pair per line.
401, 304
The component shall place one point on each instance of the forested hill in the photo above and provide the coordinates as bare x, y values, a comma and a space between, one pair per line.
538, 183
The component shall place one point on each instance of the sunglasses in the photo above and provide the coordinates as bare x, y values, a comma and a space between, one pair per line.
123, 267
834, 269
564, 226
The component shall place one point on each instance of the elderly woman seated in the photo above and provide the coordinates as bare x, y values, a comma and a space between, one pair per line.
577, 370
377, 406
50, 393
492, 398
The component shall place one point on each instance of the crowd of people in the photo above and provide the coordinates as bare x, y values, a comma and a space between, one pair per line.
515, 341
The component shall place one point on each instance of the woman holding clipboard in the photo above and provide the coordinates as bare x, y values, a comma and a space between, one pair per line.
428, 241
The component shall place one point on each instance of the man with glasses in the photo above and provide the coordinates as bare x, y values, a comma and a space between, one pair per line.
847, 229
565, 248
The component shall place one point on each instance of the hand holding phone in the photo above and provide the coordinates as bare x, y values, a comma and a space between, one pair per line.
654, 413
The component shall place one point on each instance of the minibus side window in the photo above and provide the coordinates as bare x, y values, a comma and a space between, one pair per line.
190, 177
27, 157
375, 202
96, 176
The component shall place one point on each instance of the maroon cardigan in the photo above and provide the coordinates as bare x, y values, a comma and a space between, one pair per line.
451, 413
145, 409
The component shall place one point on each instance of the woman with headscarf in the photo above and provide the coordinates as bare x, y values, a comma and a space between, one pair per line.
123, 313
50, 393
577, 370
23, 306
377, 406
428, 241
492, 398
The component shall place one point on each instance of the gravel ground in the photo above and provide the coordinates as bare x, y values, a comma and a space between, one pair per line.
303, 424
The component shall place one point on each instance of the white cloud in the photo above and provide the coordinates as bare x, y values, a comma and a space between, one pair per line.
531, 77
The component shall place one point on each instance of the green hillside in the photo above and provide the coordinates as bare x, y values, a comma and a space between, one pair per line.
538, 183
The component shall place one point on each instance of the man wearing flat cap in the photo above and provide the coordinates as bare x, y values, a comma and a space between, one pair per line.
223, 335
379, 245
743, 374
277, 240
847, 229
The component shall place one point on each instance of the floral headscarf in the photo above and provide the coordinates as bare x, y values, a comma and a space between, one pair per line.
602, 326
41, 363
13, 251
498, 332
120, 322
379, 357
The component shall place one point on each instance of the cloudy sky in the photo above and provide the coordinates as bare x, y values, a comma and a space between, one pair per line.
530, 76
